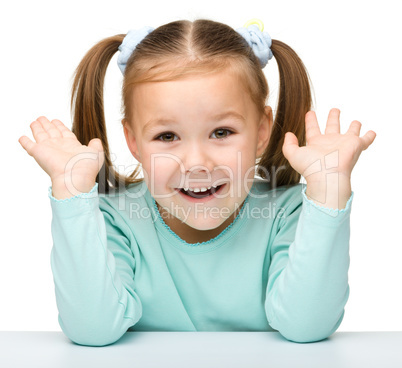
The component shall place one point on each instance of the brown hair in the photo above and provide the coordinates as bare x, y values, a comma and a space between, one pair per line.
181, 48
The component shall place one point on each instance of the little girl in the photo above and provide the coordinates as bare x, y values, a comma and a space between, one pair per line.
219, 234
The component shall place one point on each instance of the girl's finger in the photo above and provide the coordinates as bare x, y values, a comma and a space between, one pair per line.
290, 145
67, 133
312, 128
49, 127
354, 128
333, 124
38, 132
27, 144
368, 138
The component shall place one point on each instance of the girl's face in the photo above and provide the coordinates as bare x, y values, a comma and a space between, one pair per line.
198, 132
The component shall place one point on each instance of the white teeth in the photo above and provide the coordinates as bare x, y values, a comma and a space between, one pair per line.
197, 190
202, 189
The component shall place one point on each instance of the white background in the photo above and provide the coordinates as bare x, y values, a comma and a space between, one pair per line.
352, 50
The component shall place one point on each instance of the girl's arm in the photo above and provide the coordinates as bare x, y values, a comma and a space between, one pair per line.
308, 277
93, 269
91, 259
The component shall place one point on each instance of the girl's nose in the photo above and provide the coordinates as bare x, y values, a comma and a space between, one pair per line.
196, 158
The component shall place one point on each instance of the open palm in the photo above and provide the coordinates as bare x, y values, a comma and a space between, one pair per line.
59, 153
339, 151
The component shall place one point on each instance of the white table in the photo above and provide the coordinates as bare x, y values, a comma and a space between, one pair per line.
202, 349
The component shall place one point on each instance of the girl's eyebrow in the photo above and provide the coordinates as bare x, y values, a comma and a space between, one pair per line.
156, 122
229, 115
164, 122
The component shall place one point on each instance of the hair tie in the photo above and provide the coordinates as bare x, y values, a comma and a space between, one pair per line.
258, 40
252, 32
130, 42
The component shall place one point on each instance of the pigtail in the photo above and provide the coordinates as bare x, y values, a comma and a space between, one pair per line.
294, 102
88, 110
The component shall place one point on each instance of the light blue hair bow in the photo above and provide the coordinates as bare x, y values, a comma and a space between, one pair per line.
259, 41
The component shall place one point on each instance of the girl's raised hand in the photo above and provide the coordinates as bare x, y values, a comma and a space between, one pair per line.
59, 153
326, 153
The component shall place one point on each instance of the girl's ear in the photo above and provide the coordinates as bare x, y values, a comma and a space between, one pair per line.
264, 130
131, 141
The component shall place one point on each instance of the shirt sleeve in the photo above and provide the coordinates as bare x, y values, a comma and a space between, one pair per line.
308, 277
93, 269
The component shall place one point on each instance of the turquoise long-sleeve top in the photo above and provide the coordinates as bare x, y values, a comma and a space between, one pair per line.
281, 265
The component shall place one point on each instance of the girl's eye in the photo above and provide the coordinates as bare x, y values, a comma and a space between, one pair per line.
171, 137
166, 137
222, 133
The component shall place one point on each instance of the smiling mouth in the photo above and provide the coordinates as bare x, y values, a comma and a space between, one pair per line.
204, 194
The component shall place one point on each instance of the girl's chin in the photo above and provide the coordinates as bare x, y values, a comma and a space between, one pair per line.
210, 218
198, 225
